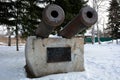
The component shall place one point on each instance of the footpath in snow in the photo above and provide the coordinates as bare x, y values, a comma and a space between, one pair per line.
102, 62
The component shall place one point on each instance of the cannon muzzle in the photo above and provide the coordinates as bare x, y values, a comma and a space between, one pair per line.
53, 16
85, 19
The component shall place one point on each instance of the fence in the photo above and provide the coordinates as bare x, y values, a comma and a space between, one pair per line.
102, 39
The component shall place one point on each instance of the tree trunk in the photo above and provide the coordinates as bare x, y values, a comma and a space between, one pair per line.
98, 34
9, 40
17, 40
93, 29
103, 29
117, 41
93, 35
16, 31
9, 36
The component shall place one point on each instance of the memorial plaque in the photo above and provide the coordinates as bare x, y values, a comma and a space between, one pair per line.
58, 54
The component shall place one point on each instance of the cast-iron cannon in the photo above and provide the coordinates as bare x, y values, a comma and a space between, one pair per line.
85, 19
53, 16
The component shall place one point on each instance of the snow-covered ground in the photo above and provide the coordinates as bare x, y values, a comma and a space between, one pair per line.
102, 62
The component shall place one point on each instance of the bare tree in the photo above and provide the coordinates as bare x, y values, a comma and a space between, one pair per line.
98, 5
10, 31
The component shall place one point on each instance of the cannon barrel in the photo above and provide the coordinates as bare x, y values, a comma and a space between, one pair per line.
53, 16
86, 18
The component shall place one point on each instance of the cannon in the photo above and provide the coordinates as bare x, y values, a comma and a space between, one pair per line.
85, 19
52, 16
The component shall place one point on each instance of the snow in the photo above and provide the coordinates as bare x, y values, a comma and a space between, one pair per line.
54, 36
102, 62
11, 63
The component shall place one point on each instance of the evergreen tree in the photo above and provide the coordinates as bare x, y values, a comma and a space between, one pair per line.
7, 13
31, 17
24, 14
8, 16
114, 18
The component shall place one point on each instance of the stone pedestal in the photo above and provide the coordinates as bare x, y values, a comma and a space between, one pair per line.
54, 55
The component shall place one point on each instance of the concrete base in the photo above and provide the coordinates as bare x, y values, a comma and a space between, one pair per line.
36, 55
